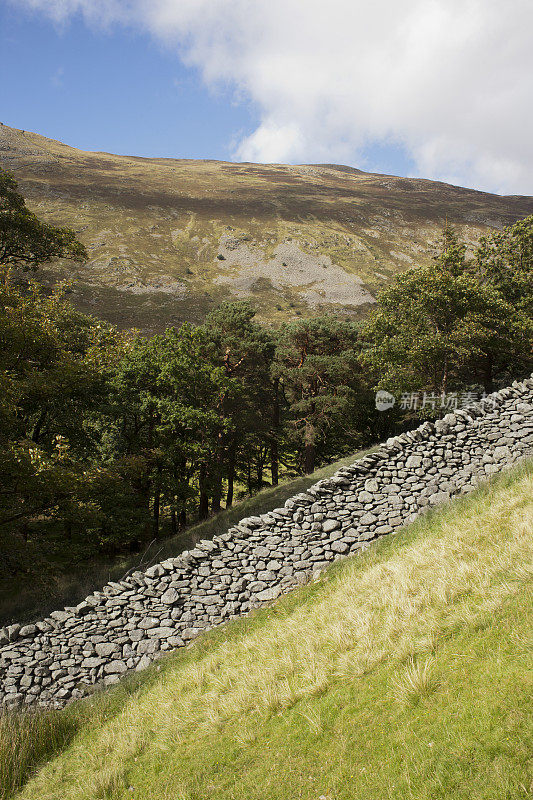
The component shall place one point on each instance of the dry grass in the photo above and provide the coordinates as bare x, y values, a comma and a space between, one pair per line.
416, 681
396, 605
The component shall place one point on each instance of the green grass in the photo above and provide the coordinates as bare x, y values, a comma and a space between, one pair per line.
403, 673
67, 577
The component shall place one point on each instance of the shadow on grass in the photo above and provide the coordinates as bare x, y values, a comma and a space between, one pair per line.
27, 739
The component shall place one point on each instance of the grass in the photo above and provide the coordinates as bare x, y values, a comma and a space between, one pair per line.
68, 579
403, 673
28, 739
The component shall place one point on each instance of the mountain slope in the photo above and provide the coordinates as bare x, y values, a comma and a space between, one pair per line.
169, 239
403, 673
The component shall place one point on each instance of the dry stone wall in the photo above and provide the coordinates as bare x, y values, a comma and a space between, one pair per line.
130, 623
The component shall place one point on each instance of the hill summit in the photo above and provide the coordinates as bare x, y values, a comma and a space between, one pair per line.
169, 239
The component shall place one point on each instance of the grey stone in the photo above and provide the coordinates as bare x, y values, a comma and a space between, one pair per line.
148, 622
91, 662
438, 498
269, 594
115, 667
105, 649
170, 597
330, 525
339, 547
27, 630
190, 633
143, 662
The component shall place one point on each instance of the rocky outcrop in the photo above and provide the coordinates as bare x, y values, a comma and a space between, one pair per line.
128, 624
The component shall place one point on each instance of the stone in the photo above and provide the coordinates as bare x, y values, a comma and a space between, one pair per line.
60, 616
170, 597
148, 646
190, 633
148, 622
438, 498
339, 547
27, 630
161, 633
501, 453
105, 649
269, 594
91, 662
330, 525
143, 662
13, 632
115, 667
156, 571
261, 552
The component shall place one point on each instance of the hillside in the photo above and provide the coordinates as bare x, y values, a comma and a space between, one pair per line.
401, 673
169, 239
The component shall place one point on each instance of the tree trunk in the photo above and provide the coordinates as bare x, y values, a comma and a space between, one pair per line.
183, 518
231, 475
488, 375
157, 502
309, 448
217, 495
36, 433
249, 476
203, 508
173, 521
274, 448
217, 477
274, 463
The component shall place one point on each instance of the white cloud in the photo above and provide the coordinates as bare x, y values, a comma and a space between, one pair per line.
449, 80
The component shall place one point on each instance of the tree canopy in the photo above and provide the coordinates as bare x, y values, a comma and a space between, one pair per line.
25, 241
457, 323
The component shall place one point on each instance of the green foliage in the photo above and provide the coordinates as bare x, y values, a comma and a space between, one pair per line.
25, 241
316, 363
50, 370
456, 324
504, 260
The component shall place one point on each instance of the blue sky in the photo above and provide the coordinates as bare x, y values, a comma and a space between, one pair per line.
119, 91
439, 89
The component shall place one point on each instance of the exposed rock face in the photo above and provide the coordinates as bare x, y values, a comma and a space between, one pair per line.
128, 624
